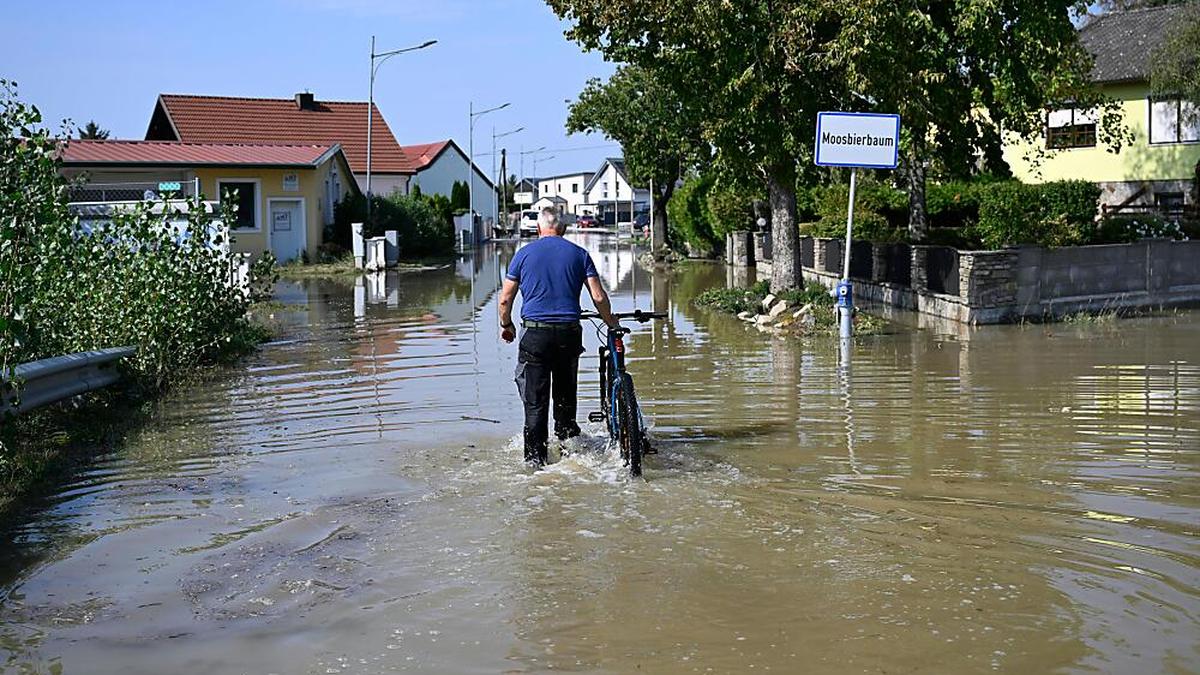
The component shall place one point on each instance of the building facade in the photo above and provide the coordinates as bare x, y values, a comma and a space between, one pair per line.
610, 197
1159, 167
570, 187
440, 164
284, 194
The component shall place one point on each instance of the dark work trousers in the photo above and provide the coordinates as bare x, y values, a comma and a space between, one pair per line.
548, 367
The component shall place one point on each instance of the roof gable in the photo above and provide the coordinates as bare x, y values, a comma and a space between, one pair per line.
421, 155
618, 165
228, 119
1122, 43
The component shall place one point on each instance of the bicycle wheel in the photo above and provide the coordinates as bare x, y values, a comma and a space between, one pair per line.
630, 427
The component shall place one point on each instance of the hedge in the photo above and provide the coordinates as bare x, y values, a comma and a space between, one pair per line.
688, 215
1061, 213
423, 222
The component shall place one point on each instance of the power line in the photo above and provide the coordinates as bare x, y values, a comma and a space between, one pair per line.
575, 149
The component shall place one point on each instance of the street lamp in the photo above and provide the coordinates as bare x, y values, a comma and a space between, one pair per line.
535, 161
380, 57
471, 161
495, 213
529, 152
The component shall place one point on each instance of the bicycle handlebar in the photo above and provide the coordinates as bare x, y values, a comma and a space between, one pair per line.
637, 315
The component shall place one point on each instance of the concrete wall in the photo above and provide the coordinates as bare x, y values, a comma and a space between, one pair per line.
383, 184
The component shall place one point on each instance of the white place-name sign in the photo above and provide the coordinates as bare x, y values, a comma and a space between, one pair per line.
523, 197
862, 140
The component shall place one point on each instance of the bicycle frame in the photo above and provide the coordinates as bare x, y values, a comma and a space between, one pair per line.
612, 360
613, 377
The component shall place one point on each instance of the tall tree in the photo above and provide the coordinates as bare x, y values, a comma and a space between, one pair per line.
727, 63
92, 131
958, 73
1175, 64
660, 136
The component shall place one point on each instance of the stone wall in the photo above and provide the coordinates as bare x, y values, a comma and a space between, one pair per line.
1037, 283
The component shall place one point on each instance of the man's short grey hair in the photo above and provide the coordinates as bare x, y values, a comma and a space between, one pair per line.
548, 218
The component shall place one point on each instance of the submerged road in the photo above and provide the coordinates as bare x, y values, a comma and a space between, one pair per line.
350, 500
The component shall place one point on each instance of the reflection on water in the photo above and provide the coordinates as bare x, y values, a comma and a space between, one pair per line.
351, 500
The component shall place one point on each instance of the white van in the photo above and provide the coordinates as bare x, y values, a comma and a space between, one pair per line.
529, 224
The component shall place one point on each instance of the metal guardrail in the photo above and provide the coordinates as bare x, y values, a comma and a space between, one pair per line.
61, 377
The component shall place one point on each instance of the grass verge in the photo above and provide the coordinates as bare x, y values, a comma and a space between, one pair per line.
824, 319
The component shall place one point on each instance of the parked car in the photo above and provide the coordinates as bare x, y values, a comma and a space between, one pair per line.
586, 221
529, 224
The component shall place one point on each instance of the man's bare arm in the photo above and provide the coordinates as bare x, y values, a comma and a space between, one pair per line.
508, 293
600, 300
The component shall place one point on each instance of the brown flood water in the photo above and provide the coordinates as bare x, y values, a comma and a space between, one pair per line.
1004, 499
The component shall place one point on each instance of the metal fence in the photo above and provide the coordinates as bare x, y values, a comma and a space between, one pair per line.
941, 269
58, 378
140, 191
895, 264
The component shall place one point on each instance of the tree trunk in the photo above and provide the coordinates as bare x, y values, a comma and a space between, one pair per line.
918, 220
659, 233
785, 238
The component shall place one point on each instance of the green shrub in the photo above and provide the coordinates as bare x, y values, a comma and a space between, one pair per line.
1061, 213
730, 208
151, 276
953, 204
688, 215
1125, 229
872, 201
423, 222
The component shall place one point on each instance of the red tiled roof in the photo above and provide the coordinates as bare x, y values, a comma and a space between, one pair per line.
193, 154
422, 154
209, 119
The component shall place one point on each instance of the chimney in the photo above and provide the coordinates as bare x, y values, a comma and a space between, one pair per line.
304, 101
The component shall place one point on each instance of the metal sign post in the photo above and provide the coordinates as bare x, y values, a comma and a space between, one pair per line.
855, 141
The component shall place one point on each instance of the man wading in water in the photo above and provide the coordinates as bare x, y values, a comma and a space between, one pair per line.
550, 273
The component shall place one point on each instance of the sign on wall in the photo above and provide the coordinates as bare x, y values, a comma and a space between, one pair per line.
523, 197
862, 140
291, 182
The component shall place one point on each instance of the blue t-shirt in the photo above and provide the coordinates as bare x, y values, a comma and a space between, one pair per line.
550, 273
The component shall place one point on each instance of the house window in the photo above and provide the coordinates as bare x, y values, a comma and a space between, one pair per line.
618, 188
1071, 128
243, 195
1174, 121
575, 187
1169, 202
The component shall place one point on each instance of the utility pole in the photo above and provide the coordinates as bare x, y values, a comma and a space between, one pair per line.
471, 162
495, 215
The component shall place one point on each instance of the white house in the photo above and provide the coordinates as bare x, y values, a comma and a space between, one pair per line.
439, 164
571, 187
550, 202
608, 194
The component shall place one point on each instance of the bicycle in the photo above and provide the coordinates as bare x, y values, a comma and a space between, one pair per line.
618, 402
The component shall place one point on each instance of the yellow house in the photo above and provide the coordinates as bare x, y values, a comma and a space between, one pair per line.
1159, 167
284, 193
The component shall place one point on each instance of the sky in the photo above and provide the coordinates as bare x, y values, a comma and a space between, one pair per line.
108, 61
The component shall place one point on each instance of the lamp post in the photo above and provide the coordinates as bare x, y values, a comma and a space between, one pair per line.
380, 57
529, 152
535, 161
495, 213
471, 161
